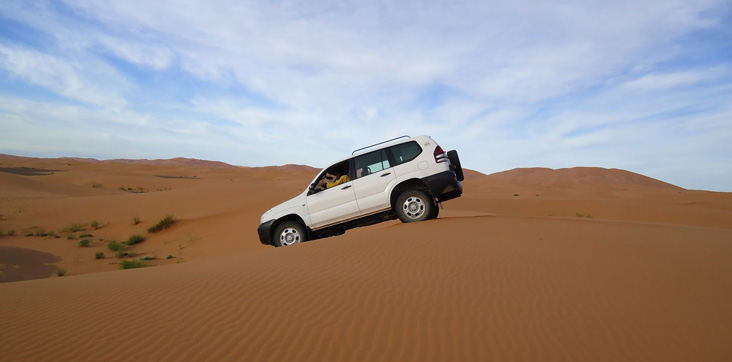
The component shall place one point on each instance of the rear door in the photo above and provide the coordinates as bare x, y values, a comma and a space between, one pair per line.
374, 177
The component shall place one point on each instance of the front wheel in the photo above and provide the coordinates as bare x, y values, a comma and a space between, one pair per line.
414, 205
288, 233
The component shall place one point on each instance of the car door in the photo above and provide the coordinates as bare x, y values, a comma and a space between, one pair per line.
374, 179
334, 204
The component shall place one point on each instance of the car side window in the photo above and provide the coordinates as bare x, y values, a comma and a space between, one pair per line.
371, 162
405, 152
332, 176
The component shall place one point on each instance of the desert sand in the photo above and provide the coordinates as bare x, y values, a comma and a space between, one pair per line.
581, 264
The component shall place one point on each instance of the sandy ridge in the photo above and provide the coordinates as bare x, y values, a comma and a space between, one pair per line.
523, 294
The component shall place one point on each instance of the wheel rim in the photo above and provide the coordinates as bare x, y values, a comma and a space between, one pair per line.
290, 236
413, 207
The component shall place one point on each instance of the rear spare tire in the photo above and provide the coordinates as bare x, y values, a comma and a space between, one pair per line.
455, 164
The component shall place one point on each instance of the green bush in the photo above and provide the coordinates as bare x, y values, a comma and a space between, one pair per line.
99, 255
75, 227
84, 243
115, 246
132, 264
135, 239
163, 224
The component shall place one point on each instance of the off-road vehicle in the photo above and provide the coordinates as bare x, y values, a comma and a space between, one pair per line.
405, 178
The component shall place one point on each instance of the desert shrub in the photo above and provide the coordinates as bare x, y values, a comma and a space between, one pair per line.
41, 232
132, 264
170, 257
99, 255
60, 272
163, 224
135, 239
84, 243
149, 257
115, 246
136, 220
85, 235
75, 227
95, 225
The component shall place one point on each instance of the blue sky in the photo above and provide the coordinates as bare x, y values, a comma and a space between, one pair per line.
644, 86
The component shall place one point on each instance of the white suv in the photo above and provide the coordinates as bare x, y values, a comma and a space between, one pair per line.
403, 178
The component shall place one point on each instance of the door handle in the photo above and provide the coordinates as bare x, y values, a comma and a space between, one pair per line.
346, 187
386, 174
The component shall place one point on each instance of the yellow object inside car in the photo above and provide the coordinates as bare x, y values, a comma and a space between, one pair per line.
342, 179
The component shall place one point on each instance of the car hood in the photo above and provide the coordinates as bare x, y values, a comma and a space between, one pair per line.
290, 206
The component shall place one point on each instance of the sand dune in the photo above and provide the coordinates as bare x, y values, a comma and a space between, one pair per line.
579, 176
583, 264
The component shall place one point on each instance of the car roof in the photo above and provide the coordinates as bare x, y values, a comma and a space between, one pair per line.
384, 144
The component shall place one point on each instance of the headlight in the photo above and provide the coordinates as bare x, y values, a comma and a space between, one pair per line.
264, 216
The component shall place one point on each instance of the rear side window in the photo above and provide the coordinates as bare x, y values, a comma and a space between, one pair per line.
405, 152
370, 163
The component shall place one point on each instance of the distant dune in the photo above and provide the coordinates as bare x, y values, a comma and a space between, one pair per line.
580, 264
578, 176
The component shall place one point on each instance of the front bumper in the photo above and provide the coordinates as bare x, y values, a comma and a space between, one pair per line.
265, 232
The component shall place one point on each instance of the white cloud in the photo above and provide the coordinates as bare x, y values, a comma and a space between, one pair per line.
664, 81
69, 78
511, 82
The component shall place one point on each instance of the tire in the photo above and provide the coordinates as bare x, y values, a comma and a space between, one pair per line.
413, 206
435, 212
455, 164
289, 233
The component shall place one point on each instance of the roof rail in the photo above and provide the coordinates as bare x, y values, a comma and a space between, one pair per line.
376, 144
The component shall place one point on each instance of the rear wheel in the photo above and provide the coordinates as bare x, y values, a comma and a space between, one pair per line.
435, 212
288, 233
455, 164
414, 205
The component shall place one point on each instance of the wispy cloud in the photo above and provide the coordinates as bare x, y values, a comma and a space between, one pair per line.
510, 83
70, 78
